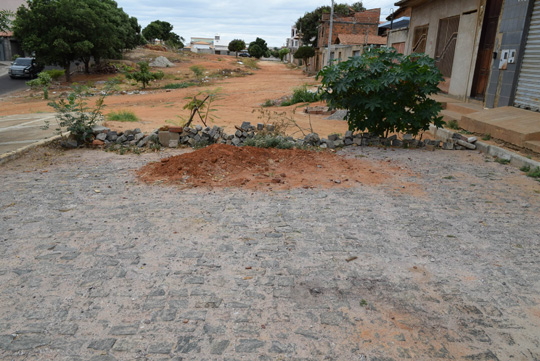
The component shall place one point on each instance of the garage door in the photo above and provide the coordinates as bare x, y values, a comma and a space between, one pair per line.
528, 89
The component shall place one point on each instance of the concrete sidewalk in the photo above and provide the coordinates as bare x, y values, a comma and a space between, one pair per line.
20, 131
513, 125
4, 66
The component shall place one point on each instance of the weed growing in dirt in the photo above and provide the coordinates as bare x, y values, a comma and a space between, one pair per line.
198, 71
202, 107
486, 136
502, 160
122, 116
452, 124
282, 123
268, 103
535, 173
269, 141
178, 85
55, 74
42, 81
525, 168
250, 63
302, 95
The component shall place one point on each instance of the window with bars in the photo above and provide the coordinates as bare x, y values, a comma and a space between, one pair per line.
420, 39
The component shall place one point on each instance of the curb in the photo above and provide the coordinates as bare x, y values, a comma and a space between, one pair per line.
515, 159
4, 158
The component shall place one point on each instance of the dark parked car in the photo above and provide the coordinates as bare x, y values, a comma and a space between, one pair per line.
244, 55
25, 68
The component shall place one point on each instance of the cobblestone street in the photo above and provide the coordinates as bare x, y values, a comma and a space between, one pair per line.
97, 266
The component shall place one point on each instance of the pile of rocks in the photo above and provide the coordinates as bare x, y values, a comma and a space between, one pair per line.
199, 136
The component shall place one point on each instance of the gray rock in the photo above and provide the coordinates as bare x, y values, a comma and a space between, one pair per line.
466, 144
348, 141
236, 141
246, 126
97, 129
270, 127
103, 358
249, 345
218, 347
198, 127
101, 136
333, 137
138, 137
124, 330
339, 143
332, 318
407, 137
260, 126
188, 344
71, 142
102, 345
348, 134
121, 139
162, 348
448, 145
112, 136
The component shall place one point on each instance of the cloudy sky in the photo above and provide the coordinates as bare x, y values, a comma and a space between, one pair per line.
233, 19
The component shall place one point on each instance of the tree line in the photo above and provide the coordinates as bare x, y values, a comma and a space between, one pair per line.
61, 32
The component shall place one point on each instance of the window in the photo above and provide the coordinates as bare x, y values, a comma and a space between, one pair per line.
446, 44
356, 53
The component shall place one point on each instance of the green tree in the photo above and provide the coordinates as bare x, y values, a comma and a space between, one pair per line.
308, 24
160, 30
237, 45
384, 91
304, 53
62, 31
5, 20
283, 52
258, 48
144, 75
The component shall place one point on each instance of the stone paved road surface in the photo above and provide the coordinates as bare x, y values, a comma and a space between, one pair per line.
96, 266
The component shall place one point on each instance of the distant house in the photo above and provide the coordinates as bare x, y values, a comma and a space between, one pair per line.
353, 33
396, 29
201, 45
9, 46
293, 43
487, 50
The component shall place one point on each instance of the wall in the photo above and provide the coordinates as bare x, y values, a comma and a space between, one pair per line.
512, 34
466, 44
397, 36
360, 23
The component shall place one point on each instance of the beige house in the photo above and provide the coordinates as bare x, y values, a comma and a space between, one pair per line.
8, 45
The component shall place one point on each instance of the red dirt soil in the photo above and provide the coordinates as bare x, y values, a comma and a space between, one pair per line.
222, 166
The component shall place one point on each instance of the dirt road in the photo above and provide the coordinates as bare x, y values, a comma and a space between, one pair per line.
241, 97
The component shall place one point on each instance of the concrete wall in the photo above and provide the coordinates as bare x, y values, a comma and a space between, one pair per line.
11, 5
513, 29
397, 36
468, 34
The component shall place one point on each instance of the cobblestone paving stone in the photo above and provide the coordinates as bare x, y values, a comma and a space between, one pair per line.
139, 272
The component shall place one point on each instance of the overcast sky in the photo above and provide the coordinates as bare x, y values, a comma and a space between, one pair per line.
233, 19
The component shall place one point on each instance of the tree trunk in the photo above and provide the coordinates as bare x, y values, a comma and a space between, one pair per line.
67, 71
87, 66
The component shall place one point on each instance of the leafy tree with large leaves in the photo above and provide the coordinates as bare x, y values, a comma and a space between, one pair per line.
384, 91
258, 48
308, 24
237, 45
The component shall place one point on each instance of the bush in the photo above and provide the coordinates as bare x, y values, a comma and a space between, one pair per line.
55, 74
269, 141
73, 114
250, 63
123, 116
304, 53
534, 173
384, 91
42, 81
178, 85
302, 95
144, 75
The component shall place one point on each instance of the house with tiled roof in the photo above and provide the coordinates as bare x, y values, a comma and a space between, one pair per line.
9, 46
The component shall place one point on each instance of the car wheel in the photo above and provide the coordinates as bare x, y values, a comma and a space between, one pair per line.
12, 77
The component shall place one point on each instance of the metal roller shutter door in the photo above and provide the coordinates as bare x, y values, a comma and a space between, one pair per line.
528, 89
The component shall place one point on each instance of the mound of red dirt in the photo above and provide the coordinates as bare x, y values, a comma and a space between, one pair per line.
222, 165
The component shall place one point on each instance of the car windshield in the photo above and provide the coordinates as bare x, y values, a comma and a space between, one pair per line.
23, 61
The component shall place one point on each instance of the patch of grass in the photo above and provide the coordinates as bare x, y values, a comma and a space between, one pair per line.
250, 63
122, 116
178, 85
448, 177
198, 71
535, 173
269, 141
486, 136
363, 303
525, 168
302, 95
502, 160
452, 124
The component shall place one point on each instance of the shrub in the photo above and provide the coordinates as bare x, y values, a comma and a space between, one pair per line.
384, 91
250, 63
302, 95
453, 124
55, 74
282, 53
73, 114
144, 75
535, 173
178, 85
122, 116
42, 81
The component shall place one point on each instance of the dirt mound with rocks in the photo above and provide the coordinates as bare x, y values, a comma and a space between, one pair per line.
222, 166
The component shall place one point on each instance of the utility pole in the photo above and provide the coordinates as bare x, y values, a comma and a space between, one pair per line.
330, 33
